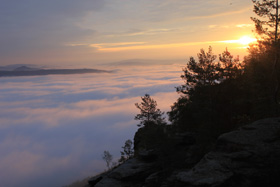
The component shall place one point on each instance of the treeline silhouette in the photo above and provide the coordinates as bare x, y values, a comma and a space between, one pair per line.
220, 93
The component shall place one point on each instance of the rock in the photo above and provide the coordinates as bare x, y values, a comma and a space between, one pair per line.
131, 169
152, 180
147, 155
107, 181
184, 139
210, 171
94, 180
131, 173
246, 157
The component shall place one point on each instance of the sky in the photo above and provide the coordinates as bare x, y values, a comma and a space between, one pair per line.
94, 32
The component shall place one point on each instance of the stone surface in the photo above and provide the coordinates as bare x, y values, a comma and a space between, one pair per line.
133, 172
107, 181
130, 169
247, 157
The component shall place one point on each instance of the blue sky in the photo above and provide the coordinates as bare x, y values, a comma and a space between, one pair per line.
88, 32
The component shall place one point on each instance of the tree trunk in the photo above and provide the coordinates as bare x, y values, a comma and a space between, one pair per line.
275, 68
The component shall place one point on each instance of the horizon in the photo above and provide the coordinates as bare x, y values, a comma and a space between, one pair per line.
54, 128
92, 32
58, 124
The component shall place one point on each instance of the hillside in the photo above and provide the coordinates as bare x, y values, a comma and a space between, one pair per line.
247, 157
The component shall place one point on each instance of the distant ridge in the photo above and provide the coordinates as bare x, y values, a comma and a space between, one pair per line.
25, 68
14, 66
28, 71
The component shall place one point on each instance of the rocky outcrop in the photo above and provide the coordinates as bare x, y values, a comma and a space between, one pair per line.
247, 157
131, 173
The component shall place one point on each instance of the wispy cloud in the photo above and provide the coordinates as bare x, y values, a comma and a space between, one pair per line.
141, 32
244, 25
220, 14
143, 45
139, 46
120, 44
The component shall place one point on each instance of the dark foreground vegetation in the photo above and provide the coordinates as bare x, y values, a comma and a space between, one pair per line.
209, 142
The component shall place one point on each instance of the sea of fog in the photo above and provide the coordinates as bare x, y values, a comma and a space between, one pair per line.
54, 129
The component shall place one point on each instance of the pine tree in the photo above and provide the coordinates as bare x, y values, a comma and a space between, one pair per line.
268, 28
269, 11
127, 152
201, 73
149, 114
230, 67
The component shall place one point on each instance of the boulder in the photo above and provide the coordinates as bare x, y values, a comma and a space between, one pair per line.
131, 173
132, 168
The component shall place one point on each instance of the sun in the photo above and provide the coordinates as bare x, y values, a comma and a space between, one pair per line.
246, 40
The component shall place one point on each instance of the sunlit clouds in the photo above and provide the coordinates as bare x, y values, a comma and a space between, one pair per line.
115, 47
91, 32
53, 129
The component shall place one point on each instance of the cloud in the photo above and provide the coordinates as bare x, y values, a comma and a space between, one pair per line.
57, 136
244, 25
120, 44
145, 46
140, 46
41, 25
70, 31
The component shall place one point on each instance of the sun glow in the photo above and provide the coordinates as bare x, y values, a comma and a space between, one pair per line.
246, 40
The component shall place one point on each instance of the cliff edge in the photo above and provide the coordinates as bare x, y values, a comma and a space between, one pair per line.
246, 157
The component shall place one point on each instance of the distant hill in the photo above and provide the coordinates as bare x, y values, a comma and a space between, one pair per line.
29, 71
25, 68
15, 66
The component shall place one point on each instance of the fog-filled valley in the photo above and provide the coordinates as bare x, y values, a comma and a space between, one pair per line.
55, 128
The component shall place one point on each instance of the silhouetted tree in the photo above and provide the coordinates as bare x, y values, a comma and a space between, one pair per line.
127, 152
230, 67
269, 11
268, 30
210, 93
201, 73
107, 157
149, 113
218, 96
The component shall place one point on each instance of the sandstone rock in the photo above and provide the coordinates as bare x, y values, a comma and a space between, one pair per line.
130, 169
248, 156
106, 181
131, 173
147, 155
94, 180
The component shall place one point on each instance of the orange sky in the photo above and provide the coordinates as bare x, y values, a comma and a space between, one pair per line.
94, 32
